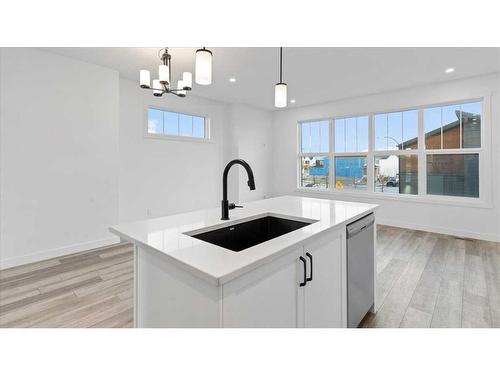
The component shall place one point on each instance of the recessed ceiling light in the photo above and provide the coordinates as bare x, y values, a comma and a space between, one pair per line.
292, 101
449, 70
232, 79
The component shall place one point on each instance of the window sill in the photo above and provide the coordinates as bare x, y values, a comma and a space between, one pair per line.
178, 138
442, 200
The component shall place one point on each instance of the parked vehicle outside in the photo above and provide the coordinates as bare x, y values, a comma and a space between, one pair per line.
392, 182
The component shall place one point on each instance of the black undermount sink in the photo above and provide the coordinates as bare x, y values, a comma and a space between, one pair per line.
241, 236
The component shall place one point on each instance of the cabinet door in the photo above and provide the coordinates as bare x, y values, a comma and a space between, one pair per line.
323, 294
266, 297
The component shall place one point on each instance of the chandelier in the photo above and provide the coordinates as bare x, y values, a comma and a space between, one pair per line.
163, 85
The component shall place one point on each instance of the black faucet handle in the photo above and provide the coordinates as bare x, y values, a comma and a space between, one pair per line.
232, 206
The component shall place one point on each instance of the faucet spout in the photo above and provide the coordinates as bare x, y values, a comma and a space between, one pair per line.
251, 184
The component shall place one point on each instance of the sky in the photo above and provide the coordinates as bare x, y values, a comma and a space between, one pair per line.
177, 124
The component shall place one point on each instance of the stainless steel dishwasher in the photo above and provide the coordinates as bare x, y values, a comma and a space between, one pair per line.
360, 269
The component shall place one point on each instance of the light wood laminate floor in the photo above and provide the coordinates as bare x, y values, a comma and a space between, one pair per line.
424, 280
88, 289
427, 280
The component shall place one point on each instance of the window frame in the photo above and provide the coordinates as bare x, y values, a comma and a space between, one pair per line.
485, 162
301, 154
169, 137
378, 153
350, 153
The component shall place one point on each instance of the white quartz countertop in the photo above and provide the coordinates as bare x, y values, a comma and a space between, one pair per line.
218, 265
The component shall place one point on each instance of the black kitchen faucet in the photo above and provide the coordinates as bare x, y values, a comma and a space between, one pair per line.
226, 206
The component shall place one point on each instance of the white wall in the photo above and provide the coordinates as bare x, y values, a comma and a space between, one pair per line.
159, 176
162, 176
457, 220
74, 159
252, 138
59, 155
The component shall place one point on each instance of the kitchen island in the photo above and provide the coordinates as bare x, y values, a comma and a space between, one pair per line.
183, 278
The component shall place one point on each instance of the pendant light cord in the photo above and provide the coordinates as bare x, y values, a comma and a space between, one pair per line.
281, 64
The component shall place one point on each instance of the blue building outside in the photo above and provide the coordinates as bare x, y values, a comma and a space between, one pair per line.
320, 170
351, 167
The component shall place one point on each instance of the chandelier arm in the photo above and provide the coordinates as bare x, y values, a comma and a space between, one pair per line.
176, 94
168, 91
153, 89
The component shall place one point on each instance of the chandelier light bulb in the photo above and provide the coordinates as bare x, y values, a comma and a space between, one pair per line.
144, 79
157, 88
203, 67
187, 78
163, 74
180, 87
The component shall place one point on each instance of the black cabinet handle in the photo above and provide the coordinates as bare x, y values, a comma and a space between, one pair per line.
311, 274
304, 263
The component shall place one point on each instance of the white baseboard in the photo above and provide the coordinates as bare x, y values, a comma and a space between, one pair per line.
52, 253
441, 230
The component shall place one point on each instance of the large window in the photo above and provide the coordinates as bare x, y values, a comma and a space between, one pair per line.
350, 152
314, 152
173, 124
452, 148
395, 166
426, 151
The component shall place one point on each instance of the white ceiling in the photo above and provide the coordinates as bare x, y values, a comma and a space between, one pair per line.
313, 75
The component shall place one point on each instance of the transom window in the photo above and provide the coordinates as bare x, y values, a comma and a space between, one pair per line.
386, 153
173, 124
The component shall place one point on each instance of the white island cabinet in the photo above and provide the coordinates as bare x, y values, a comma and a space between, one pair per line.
298, 279
271, 296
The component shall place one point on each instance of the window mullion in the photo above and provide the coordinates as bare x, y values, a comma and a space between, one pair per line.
332, 154
422, 162
370, 162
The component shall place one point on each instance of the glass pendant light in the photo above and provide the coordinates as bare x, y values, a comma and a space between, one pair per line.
280, 89
280, 92
203, 67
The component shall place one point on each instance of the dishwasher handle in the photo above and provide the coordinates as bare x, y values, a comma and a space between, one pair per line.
360, 225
